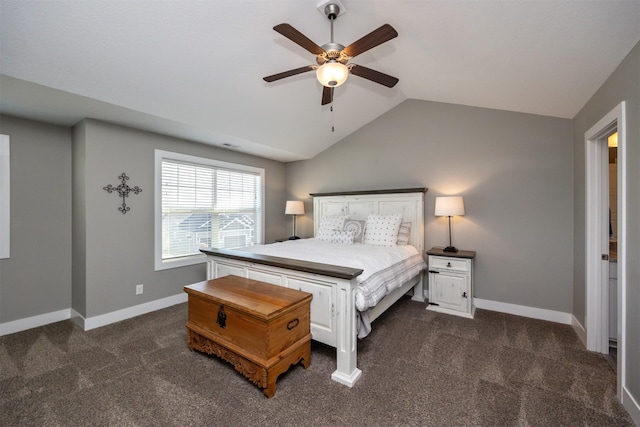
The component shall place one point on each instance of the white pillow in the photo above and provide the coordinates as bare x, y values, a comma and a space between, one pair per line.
328, 224
342, 236
404, 234
382, 230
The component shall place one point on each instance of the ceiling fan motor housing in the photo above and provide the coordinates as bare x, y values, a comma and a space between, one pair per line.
332, 51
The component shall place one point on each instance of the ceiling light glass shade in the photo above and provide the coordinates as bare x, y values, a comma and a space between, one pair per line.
332, 74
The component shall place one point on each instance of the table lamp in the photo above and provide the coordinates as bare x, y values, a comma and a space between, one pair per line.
449, 206
294, 208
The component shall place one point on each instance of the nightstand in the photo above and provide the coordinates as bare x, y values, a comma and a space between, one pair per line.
451, 282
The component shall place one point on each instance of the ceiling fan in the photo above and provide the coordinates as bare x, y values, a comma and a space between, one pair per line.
333, 58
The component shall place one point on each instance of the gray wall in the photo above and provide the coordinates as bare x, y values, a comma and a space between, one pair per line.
622, 85
57, 175
514, 171
117, 251
36, 279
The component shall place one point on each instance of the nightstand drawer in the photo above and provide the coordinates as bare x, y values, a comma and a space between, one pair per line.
449, 264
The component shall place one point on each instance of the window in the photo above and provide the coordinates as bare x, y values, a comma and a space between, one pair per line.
201, 203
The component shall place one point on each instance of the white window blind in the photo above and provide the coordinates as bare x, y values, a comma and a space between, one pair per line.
206, 205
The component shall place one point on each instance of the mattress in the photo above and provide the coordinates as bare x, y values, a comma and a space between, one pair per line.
383, 268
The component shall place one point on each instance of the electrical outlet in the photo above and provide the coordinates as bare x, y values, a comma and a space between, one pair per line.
139, 289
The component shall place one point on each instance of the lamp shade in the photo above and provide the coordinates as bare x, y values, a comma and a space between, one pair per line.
332, 74
449, 206
294, 207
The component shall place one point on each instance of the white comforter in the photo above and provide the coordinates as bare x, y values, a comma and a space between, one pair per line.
384, 268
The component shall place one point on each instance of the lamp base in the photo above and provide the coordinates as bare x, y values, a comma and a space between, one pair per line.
450, 249
293, 238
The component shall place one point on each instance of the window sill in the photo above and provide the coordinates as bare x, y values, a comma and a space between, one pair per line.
180, 262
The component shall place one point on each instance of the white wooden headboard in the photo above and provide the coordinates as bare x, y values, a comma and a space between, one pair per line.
359, 204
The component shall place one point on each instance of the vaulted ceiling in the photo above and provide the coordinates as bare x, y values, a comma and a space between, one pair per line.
194, 69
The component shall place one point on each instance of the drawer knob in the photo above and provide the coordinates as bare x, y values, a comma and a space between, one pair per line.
293, 324
448, 264
222, 317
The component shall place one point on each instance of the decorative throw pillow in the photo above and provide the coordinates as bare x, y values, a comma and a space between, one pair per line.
382, 230
328, 224
357, 227
342, 236
404, 233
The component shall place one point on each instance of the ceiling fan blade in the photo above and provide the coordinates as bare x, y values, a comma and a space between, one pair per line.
327, 95
289, 73
374, 76
297, 37
371, 40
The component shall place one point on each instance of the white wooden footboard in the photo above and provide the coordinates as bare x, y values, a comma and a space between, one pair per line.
333, 317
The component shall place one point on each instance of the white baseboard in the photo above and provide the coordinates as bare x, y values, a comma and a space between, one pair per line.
91, 322
129, 312
631, 405
582, 333
137, 310
34, 321
523, 310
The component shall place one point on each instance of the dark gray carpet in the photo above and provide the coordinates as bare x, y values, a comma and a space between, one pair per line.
419, 368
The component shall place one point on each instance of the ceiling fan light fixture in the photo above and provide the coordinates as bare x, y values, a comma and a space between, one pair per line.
332, 74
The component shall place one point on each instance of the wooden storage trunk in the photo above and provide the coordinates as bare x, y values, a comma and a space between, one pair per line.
261, 329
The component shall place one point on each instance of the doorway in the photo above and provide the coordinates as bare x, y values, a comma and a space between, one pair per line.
597, 241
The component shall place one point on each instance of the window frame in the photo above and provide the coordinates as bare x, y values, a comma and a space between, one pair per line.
161, 155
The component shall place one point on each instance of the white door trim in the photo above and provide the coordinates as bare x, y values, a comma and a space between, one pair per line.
597, 309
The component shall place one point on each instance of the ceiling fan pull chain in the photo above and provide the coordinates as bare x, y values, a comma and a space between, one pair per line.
332, 127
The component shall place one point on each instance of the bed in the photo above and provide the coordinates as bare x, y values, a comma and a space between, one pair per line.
334, 316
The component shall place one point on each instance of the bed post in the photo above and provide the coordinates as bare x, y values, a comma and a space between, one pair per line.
347, 372
418, 289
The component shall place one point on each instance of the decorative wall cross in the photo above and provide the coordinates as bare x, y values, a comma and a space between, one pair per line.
123, 190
